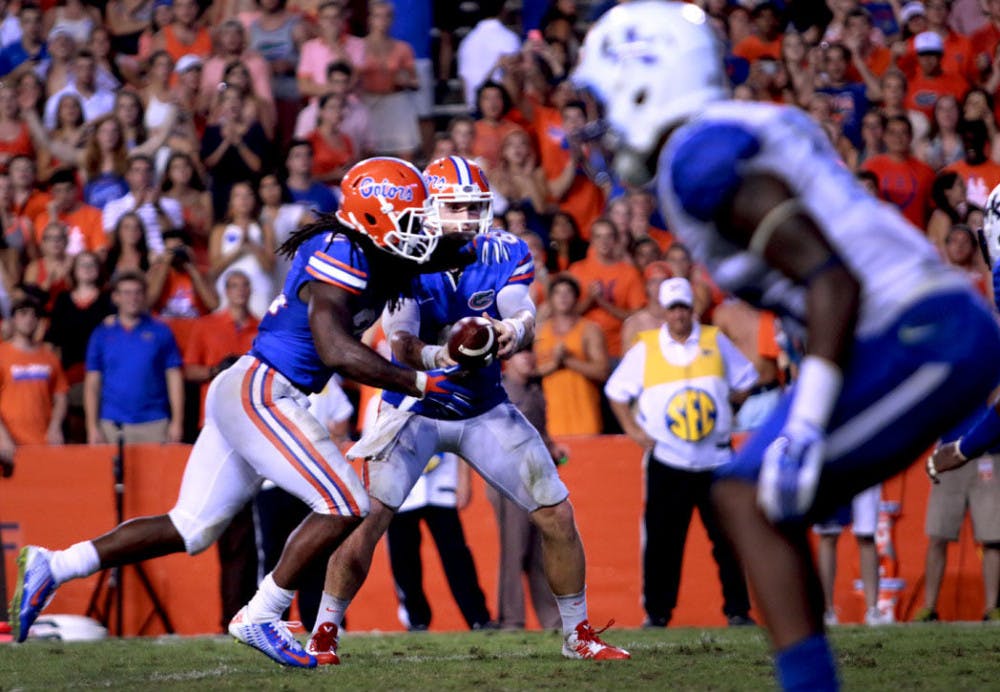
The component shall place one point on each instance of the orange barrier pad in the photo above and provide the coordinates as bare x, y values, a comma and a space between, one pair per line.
60, 495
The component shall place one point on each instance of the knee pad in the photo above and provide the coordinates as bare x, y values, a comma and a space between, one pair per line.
197, 534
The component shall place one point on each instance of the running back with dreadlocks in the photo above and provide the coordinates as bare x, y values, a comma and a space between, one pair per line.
391, 277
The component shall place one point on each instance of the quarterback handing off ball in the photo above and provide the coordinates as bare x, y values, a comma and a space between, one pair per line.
472, 342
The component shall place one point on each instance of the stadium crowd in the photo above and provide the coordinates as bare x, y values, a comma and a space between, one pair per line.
155, 153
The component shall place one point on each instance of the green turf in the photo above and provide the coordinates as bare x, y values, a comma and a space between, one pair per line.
929, 657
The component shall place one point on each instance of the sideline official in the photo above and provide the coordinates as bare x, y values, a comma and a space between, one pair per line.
681, 378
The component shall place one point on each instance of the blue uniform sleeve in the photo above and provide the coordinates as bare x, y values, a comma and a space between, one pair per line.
996, 283
521, 266
705, 167
337, 263
95, 352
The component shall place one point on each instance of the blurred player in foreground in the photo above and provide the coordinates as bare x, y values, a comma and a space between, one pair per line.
257, 423
493, 436
895, 340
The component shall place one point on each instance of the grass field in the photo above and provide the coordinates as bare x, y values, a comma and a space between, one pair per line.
928, 657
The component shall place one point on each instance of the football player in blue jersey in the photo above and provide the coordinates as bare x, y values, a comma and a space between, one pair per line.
894, 338
491, 434
345, 269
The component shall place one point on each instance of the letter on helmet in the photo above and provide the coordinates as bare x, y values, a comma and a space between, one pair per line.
386, 199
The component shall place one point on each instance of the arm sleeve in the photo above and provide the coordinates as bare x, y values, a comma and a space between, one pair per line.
513, 298
625, 383
706, 166
405, 318
335, 266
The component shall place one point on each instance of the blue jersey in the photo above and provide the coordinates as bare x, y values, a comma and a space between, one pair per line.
446, 297
284, 339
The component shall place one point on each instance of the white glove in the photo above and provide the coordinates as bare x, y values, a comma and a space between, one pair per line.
790, 471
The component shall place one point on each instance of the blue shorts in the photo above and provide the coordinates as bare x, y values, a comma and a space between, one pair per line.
926, 373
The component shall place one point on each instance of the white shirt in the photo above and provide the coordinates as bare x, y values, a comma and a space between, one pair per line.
117, 208
101, 102
331, 405
626, 384
478, 53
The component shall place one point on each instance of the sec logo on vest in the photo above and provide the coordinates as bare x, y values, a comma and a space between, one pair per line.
691, 414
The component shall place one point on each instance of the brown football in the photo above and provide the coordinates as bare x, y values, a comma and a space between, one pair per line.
472, 342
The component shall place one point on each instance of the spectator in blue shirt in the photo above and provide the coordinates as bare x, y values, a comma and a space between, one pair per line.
305, 190
134, 382
31, 47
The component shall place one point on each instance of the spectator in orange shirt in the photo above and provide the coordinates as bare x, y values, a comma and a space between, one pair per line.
29, 201
493, 104
178, 291
765, 41
573, 187
957, 59
903, 179
50, 272
980, 174
876, 59
221, 336
32, 386
83, 222
333, 150
612, 288
985, 40
572, 362
931, 81
679, 259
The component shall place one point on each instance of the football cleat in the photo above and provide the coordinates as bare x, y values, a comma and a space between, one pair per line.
876, 618
583, 642
323, 645
272, 639
32, 591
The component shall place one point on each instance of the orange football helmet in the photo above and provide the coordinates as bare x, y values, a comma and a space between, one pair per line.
386, 199
460, 195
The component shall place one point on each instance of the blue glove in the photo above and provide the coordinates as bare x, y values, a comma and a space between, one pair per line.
448, 393
489, 248
790, 471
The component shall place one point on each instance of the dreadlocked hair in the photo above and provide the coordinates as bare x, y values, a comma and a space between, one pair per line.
390, 277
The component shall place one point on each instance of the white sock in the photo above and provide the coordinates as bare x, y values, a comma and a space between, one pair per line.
269, 602
78, 560
331, 609
573, 610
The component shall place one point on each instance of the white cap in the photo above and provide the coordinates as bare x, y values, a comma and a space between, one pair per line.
928, 42
911, 10
186, 62
676, 291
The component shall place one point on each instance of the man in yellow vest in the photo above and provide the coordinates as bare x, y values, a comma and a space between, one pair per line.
681, 378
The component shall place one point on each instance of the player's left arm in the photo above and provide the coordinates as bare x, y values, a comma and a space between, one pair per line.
516, 327
764, 215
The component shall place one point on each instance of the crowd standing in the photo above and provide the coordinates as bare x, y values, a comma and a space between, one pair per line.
155, 153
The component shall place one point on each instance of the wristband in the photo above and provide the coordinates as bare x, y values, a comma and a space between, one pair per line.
982, 436
816, 392
519, 330
420, 382
428, 355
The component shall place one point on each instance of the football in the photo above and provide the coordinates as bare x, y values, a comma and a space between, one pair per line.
472, 342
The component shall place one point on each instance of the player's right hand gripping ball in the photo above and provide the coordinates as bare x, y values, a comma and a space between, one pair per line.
472, 342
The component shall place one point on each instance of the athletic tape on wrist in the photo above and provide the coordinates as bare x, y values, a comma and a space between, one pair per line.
519, 330
428, 356
421, 383
816, 391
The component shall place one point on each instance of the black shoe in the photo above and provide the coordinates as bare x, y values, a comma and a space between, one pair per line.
653, 622
488, 625
741, 621
417, 628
